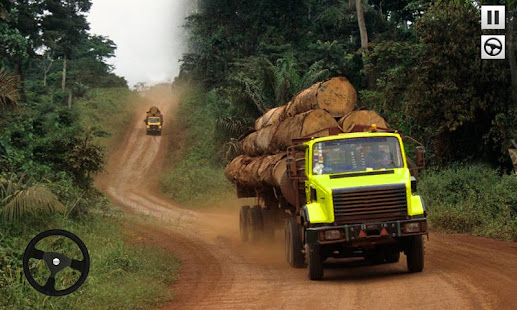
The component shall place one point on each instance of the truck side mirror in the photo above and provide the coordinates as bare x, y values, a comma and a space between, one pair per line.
420, 156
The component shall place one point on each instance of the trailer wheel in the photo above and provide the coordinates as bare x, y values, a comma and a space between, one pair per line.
392, 255
293, 243
415, 254
243, 223
255, 224
314, 261
268, 225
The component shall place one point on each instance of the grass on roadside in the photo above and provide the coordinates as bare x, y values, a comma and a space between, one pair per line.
108, 111
123, 275
195, 176
472, 199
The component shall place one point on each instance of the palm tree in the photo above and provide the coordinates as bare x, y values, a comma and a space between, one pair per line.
8, 89
20, 197
275, 84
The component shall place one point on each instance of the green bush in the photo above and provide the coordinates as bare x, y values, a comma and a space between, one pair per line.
38, 141
472, 199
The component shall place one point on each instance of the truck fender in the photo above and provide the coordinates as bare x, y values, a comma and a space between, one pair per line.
417, 205
315, 212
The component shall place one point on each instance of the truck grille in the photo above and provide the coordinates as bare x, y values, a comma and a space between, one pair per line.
154, 127
370, 204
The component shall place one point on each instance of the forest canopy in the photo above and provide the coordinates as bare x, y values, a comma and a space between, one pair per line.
416, 62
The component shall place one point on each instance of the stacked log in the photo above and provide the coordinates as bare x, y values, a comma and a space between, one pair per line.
277, 137
257, 171
272, 116
336, 96
310, 113
362, 117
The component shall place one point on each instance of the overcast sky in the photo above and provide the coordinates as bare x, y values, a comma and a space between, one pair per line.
148, 34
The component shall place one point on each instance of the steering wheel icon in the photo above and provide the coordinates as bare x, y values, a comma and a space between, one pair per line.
56, 262
493, 47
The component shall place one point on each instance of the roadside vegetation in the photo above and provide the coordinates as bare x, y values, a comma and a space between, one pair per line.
406, 62
61, 111
473, 199
195, 177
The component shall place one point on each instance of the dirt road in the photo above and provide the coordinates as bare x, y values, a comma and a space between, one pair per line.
218, 272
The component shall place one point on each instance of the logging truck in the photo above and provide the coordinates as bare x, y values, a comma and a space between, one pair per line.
342, 194
153, 121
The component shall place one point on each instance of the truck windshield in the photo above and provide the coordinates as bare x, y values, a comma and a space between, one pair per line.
154, 120
357, 154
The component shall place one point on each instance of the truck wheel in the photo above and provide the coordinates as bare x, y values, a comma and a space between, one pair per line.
243, 223
392, 255
314, 261
255, 224
293, 243
415, 254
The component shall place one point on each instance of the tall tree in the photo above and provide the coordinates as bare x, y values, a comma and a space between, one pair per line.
362, 24
64, 27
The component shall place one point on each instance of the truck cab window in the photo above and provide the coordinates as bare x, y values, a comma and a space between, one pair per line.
356, 154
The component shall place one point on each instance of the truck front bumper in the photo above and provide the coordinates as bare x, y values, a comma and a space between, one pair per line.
362, 232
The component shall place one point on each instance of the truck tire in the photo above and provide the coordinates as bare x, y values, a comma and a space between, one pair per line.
255, 224
392, 256
243, 223
415, 254
314, 261
293, 243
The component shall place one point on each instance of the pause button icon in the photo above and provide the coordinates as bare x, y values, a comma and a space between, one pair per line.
492, 17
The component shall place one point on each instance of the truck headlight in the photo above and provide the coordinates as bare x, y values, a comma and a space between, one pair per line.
412, 227
332, 234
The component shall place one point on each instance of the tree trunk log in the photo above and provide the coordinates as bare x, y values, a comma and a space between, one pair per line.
256, 171
277, 137
337, 96
362, 117
272, 116
302, 125
258, 142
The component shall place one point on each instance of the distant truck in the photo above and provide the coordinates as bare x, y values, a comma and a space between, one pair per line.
154, 121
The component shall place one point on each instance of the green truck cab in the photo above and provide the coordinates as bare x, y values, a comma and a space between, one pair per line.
360, 199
